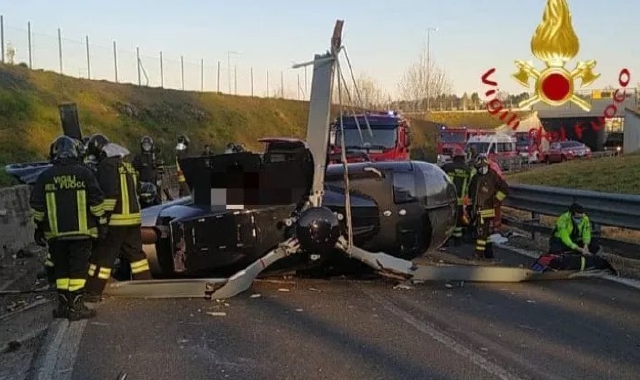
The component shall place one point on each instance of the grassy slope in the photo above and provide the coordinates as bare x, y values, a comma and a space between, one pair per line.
29, 116
610, 174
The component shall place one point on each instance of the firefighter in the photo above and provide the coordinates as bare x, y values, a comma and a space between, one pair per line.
146, 163
471, 155
486, 187
460, 173
181, 152
207, 151
149, 170
68, 208
119, 182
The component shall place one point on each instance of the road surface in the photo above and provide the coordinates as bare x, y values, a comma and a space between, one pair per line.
348, 329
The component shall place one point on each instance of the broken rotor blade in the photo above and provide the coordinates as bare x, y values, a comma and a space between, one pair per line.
173, 288
380, 261
243, 280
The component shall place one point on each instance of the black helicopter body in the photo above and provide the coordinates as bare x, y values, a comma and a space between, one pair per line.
403, 208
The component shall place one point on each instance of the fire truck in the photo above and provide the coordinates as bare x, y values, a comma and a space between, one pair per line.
381, 136
451, 138
530, 147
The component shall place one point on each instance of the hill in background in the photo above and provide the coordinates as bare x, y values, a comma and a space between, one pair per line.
29, 118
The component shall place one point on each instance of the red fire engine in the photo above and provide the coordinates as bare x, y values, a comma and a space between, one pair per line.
451, 138
382, 136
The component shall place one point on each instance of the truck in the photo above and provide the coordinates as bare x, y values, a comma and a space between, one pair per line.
380, 136
450, 138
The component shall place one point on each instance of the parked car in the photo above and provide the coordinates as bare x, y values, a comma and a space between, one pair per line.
566, 150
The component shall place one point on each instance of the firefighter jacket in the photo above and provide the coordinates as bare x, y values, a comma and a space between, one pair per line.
179, 170
67, 202
146, 166
484, 190
119, 182
567, 231
460, 174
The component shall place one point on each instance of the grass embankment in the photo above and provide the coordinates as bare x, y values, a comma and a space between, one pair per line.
29, 117
609, 174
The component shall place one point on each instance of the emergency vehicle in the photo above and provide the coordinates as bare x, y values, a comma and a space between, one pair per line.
530, 147
451, 138
388, 139
496, 146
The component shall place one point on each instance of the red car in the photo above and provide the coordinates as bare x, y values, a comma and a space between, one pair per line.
566, 150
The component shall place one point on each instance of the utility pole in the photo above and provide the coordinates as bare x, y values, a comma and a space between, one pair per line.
429, 30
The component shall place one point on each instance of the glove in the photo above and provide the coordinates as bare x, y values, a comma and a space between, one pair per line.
585, 251
38, 237
103, 231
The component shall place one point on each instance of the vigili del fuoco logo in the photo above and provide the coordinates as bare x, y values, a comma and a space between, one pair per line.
555, 43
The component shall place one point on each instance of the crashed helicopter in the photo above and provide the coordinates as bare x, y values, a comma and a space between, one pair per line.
249, 212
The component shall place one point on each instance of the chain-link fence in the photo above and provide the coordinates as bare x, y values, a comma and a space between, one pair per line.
83, 58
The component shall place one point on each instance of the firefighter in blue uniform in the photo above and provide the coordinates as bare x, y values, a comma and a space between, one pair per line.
68, 210
119, 183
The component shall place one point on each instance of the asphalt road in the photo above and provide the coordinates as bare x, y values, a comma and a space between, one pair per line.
348, 329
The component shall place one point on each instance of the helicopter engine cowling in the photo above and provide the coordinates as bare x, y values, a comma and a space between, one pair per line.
317, 230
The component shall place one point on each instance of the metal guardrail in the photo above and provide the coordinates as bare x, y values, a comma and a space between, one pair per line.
603, 209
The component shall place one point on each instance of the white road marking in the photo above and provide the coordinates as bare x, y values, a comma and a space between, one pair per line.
60, 355
635, 284
492, 368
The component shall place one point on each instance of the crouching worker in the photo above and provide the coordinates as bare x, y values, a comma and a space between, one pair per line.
68, 210
571, 246
119, 183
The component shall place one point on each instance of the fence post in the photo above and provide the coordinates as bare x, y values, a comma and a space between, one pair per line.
161, 71
235, 79
251, 81
535, 222
138, 65
2, 37
88, 58
267, 83
201, 75
29, 40
282, 84
298, 86
60, 49
182, 70
115, 60
218, 79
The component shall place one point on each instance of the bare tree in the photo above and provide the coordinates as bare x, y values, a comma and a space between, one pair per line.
423, 79
371, 94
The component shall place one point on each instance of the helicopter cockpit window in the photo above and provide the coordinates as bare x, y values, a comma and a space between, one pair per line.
404, 187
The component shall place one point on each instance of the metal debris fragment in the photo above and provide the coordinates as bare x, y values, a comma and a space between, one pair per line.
283, 290
403, 286
256, 295
217, 313
448, 286
299, 310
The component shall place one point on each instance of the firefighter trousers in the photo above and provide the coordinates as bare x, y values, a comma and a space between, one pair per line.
183, 189
49, 267
458, 230
70, 262
484, 247
121, 240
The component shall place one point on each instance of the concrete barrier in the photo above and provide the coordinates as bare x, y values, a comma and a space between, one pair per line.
16, 227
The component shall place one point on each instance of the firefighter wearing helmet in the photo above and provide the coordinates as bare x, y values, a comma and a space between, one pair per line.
181, 152
460, 174
486, 188
120, 185
149, 169
68, 211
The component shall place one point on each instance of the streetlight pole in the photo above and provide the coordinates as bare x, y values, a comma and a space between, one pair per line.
229, 52
429, 30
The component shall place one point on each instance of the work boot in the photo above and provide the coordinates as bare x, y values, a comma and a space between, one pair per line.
488, 251
62, 309
77, 309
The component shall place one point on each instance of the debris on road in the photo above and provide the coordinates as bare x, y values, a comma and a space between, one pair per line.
403, 286
284, 290
217, 313
256, 295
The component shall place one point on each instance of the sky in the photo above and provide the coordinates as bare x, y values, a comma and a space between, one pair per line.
382, 38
